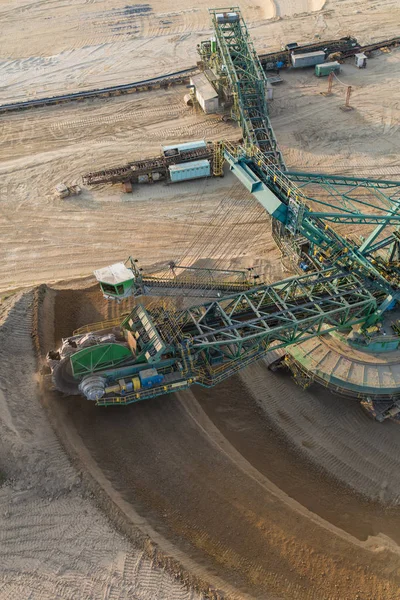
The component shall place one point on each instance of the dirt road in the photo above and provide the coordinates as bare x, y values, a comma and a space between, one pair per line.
45, 238
86, 44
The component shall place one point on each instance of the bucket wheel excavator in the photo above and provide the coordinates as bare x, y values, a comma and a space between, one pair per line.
345, 284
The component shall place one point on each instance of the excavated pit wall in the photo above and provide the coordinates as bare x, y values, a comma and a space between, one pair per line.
245, 485
54, 540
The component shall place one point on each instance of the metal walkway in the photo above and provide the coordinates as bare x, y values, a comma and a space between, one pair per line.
247, 80
121, 280
281, 313
208, 343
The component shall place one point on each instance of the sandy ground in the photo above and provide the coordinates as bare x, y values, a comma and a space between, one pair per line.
84, 44
54, 542
253, 515
259, 501
317, 136
47, 239
62, 237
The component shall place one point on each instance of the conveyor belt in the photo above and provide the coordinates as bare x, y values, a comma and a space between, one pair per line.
179, 77
176, 77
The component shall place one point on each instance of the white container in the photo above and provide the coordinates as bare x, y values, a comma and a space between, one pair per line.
190, 170
309, 59
360, 60
185, 147
230, 17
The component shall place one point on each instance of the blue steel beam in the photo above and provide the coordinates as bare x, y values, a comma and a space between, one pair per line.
274, 189
287, 203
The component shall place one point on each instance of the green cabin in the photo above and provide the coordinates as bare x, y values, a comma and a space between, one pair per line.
116, 281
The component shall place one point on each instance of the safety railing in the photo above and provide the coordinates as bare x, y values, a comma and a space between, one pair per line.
145, 394
100, 325
269, 167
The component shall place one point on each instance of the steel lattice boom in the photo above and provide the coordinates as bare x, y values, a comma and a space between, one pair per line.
283, 312
247, 80
156, 350
305, 204
209, 342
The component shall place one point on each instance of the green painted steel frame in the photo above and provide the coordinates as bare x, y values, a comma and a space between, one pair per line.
285, 312
242, 327
285, 187
150, 346
96, 358
342, 179
372, 207
290, 205
248, 81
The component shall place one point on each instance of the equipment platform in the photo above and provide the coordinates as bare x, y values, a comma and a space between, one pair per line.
349, 371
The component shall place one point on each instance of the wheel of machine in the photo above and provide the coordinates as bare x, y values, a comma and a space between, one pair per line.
93, 386
63, 378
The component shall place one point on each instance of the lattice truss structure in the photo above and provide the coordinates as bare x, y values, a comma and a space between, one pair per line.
367, 213
248, 84
242, 327
308, 204
348, 200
